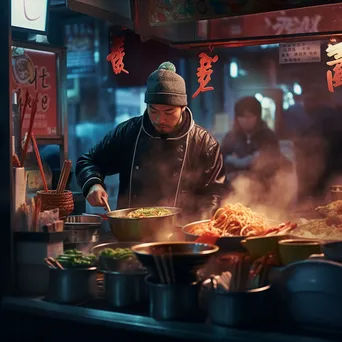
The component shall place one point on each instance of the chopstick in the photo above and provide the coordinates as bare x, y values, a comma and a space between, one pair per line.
23, 112
173, 276
160, 273
55, 262
37, 209
39, 160
29, 132
63, 179
167, 276
106, 204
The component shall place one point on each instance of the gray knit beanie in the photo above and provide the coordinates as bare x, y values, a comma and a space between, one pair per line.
165, 86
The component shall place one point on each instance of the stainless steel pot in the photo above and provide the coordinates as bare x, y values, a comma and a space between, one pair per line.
174, 301
126, 290
142, 229
72, 286
82, 228
239, 309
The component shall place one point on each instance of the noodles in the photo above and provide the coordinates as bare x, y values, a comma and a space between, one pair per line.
234, 220
149, 212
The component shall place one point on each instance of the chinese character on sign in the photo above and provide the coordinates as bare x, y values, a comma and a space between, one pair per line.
334, 76
117, 54
204, 73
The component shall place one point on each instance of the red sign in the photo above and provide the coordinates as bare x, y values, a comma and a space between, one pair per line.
35, 71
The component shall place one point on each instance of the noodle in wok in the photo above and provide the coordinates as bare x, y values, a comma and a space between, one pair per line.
234, 220
149, 212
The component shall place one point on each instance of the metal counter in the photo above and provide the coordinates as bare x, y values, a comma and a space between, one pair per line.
147, 325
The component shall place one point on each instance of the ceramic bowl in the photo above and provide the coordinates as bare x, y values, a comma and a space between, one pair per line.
259, 246
293, 250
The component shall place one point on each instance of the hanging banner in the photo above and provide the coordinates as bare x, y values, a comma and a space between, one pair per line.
334, 74
301, 52
165, 12
35, 71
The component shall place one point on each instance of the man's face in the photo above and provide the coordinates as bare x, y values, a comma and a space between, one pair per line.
164, 117
247, 121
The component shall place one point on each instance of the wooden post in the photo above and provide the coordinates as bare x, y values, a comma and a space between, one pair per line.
6, 204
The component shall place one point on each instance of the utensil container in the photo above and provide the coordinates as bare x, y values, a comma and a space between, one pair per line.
179, 302
239, 309
52, 199
72, 286
126, 290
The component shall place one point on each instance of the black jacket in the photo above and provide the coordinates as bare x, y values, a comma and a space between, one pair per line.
184, 169
262, 140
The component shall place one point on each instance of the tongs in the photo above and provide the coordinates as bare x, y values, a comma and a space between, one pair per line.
208, 238
53, 263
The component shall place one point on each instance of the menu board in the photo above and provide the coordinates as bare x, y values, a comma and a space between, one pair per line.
36, 71
303, 52
80, 41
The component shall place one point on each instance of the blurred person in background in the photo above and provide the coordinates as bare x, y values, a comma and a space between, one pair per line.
251, 150
318, 148
162, 157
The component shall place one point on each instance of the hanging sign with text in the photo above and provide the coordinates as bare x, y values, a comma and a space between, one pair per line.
302, 52
36, 71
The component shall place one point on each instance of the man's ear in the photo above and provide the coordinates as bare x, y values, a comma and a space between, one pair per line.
183, 109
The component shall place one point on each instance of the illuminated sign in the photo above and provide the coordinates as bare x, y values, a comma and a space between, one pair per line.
30, 15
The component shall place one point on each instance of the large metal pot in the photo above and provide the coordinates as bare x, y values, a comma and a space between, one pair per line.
142, 229
174, 301
240, 309
126, 290
72, 286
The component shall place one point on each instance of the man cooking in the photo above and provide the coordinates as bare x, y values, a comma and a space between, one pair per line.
163, 158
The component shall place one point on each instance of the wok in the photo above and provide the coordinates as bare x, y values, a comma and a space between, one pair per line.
183, 259
142, 229
226, 244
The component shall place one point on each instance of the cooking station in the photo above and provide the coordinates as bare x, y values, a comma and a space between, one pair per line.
270, 281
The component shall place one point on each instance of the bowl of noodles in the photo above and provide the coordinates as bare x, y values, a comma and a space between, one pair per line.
232, 224
143, 224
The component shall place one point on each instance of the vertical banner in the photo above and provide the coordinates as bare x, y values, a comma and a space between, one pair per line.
35, 71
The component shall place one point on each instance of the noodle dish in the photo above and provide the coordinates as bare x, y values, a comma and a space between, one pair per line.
238, 220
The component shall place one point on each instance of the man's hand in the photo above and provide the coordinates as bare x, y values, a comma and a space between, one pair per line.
242, 163
96, 195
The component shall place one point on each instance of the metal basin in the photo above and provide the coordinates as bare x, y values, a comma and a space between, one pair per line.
106, 263
72, 286
182, 260
142, 229
226, 244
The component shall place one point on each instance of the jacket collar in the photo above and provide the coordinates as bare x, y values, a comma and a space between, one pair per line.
179, 133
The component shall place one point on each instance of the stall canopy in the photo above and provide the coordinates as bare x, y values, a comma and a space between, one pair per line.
195, 23
118, 12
